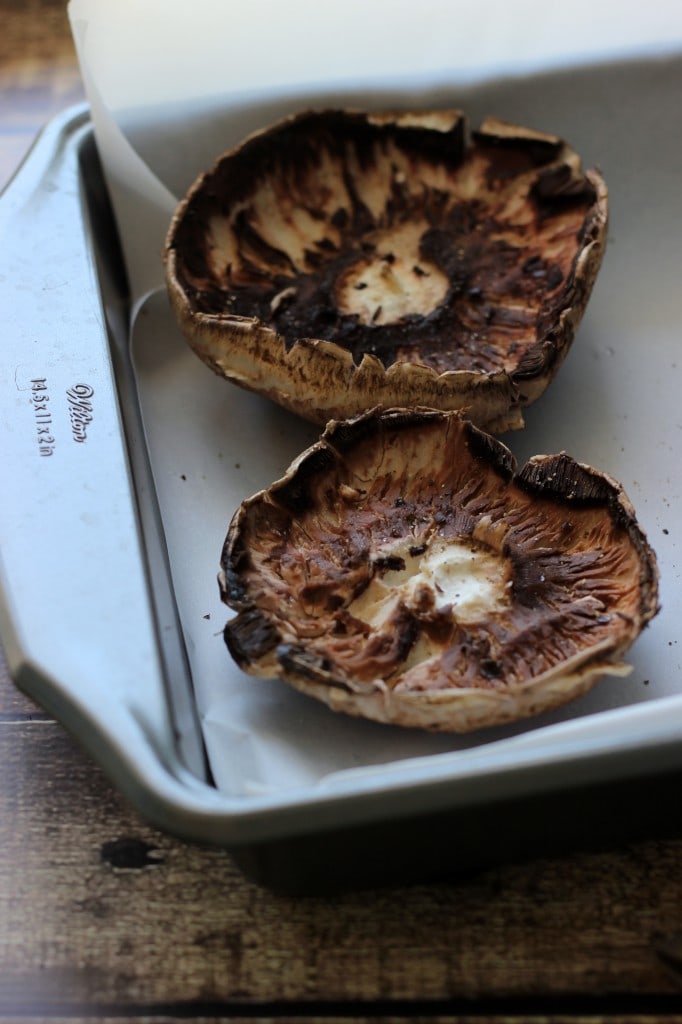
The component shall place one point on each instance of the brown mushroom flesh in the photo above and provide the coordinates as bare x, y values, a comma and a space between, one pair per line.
403, 571
343, 260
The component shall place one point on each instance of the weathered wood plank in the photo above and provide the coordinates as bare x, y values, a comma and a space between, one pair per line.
97, 909
560, 1018
14, 704
35, 30
288, 1018
39, 75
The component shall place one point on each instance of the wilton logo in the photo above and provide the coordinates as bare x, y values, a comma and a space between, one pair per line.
80, 410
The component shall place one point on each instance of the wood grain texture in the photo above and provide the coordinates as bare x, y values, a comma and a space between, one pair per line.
39, 75
98, 909
13, 704
465, 1018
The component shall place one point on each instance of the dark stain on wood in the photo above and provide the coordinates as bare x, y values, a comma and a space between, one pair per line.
130, 854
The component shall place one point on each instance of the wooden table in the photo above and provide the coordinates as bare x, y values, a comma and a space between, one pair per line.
103, 918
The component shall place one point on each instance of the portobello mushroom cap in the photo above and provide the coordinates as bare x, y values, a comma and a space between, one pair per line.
344, 260
404, 571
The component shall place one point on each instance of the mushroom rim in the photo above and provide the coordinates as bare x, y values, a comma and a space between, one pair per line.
222, 339
464, 707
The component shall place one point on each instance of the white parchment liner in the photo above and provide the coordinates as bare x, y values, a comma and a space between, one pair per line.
171, 86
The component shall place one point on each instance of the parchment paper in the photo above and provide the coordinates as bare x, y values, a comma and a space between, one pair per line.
172, 85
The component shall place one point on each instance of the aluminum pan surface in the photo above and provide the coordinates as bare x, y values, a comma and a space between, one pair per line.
604, 392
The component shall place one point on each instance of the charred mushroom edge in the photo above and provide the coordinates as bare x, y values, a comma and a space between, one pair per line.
258, 644
321, 379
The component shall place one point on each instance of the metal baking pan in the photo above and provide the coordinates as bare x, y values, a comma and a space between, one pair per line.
123, 460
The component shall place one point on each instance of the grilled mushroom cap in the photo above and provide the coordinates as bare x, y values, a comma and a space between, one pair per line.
403, 571
343, 260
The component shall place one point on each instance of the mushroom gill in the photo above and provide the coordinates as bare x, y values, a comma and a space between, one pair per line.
340, 260
405, 571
